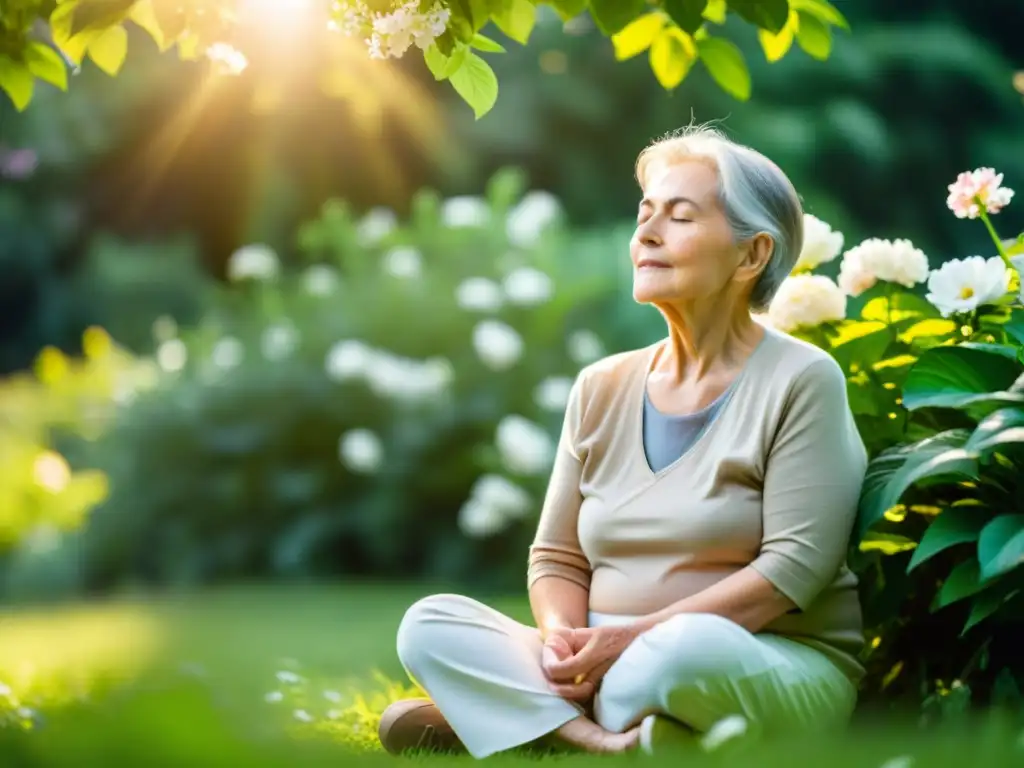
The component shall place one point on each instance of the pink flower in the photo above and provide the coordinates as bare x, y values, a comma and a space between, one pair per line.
974, 189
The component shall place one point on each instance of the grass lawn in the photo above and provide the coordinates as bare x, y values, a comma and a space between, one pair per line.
184, 681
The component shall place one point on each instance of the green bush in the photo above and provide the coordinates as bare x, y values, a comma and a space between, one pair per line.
937, 387
390, 408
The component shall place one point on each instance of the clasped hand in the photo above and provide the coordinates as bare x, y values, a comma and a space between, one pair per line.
575, 660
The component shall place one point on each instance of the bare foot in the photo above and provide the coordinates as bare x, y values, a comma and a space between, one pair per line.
587, 735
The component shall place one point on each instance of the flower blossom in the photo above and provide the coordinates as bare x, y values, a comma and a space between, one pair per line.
806, 301
499, 346
390, 35
975, 189
963, 285
893, 261
821, 244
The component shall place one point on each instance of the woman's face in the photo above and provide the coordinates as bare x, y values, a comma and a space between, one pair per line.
683, 247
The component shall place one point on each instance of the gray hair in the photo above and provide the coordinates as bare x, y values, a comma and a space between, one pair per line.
755, 194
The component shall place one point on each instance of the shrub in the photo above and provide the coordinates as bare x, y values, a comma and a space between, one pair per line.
937, 387
389, 408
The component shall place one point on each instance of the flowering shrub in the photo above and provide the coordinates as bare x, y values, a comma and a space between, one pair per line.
677, 34
936, 383
388, 406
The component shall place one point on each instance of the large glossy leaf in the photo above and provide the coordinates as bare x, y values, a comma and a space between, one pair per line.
956, 376
954, 526
726, 65
891, 474
814, 36
1003, 427
963, 581
476, 83
988, 602
670, 57
1001, 545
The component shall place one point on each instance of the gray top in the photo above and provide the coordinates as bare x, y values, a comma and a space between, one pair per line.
667, 437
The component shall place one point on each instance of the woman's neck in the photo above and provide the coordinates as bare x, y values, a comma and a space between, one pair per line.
702, 341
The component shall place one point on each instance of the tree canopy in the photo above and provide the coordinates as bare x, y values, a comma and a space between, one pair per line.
45, 39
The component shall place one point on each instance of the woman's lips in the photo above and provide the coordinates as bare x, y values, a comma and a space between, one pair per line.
651, 264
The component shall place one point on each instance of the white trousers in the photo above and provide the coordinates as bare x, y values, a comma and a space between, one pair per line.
483, 671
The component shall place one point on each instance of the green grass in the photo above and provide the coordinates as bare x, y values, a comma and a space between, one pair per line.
183, 680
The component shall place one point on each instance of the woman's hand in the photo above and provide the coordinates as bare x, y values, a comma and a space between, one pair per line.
594, 650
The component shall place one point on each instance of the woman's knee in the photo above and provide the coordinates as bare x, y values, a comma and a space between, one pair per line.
423, 627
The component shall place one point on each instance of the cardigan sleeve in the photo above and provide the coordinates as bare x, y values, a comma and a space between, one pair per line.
556, 547
813, 477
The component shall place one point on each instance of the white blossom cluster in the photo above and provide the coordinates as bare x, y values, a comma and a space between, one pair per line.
390, 34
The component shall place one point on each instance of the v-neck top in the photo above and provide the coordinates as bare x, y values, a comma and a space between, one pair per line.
668, 436
772, 482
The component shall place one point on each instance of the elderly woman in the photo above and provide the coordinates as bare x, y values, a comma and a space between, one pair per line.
689, 562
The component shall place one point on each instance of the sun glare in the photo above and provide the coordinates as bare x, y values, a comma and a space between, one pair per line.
281, 15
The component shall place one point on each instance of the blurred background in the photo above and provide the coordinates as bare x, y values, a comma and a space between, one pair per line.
295, 327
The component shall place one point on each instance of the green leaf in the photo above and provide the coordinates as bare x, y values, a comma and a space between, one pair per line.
73, 46
987, 603
764, 14
17, 82
958, 525
862, 343
516, 19
687, 14
887, 543
612, 16
893, 307
109, 50
956, 376
726, 65
46, 64
1002, 427
442, 67
144, 14
814, 36
893, 472
99, 15
671, 58
1015, 325
476, 83
568, 9
963, 581
776, 45
823, 10
482, 43
715, 11
1001, 545
638, 35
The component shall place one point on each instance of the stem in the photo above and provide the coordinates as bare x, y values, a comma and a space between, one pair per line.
995, 237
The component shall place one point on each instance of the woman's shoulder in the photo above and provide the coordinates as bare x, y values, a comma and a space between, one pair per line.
794, 361
614, 369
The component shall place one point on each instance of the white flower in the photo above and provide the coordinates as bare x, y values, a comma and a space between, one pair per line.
172, 355
478, 294
723, 731
226, 59
273, 697
164, 328
348, 359
525, 448
303, 716
332, 696
963, 285
478, 520
465, 211
253, 262
805, 301
406, 379
973, 189
404, 262
527, 286
361, 450
227, 353
528, 220
288, 678
392, 34
497, 345
279, 341
377, 224
894, 261
585, 347
502, 494
320, 280
5, 690
821, 244
552, 394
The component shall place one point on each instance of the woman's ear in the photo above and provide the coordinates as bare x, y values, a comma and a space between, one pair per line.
757, 252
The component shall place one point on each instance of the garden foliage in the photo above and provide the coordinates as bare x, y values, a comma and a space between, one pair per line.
39, 38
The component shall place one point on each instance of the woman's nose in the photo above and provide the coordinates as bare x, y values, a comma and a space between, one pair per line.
649, 237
